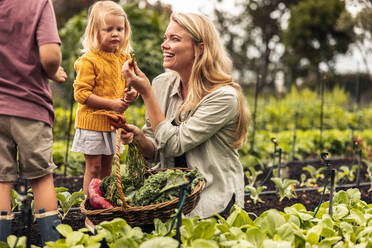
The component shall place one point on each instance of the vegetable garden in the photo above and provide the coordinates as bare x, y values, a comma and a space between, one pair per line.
307, 164
294, 197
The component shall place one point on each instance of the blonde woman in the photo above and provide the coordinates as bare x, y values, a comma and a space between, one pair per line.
196, 115
100, 85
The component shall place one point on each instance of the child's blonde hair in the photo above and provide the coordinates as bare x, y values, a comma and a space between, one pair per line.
97, 14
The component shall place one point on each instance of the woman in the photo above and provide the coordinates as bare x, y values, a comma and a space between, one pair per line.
196, 115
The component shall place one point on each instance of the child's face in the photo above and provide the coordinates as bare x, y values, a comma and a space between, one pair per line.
111, 34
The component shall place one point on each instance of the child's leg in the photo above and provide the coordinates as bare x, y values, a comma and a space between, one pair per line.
5, 210
5, 194
93, 165
106, 165
45, 199
44, 193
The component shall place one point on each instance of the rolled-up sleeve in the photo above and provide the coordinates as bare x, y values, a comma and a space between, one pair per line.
147, 130
85, 80
213, 113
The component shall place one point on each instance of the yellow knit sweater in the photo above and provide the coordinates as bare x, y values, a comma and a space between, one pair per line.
98, 73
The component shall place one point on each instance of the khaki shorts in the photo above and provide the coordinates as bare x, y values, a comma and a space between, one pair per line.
33, 142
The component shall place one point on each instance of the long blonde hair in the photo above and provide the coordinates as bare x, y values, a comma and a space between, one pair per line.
97, 13
212, 69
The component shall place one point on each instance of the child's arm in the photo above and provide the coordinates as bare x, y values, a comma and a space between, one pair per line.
50, 58
60, 76
117, 105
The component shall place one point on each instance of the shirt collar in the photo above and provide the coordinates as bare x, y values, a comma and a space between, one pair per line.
176, 87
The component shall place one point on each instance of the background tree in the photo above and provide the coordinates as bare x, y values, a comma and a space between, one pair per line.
253, 37
363, 26
317, 31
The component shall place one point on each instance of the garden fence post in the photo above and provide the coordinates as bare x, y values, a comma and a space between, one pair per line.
254, 115
275, 149
358, 169
352, 133
332, 175
21, 187
69, 131
182, 197
357, 88
294, 136
321, 113
279, 160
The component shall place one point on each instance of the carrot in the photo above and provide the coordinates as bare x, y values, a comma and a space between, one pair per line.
116, 120
95, 195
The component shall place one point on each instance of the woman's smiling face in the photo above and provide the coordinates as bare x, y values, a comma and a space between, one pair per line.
178, 49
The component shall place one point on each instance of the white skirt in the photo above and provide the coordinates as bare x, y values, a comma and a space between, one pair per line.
94, 142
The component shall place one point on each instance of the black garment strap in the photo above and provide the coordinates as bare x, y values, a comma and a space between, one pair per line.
179, 161
226, 212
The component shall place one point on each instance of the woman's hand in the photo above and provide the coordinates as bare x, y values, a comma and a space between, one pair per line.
130, 95
135, 77
129, 134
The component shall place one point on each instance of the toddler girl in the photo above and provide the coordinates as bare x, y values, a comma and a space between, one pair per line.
99, 85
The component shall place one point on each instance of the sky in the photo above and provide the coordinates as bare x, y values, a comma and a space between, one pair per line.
345, 63
189, 5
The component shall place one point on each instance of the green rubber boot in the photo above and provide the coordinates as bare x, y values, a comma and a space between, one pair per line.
5, 225
47, 223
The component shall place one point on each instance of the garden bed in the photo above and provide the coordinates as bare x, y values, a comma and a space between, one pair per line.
309, 197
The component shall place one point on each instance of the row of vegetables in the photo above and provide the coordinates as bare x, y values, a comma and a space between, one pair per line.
349, 226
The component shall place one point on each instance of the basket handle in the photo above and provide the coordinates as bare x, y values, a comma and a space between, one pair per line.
117, 160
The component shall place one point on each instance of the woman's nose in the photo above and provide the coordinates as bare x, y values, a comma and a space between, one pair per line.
164, 45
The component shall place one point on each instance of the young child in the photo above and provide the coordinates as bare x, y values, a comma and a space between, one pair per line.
99, 85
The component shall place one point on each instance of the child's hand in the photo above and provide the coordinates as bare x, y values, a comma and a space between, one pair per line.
130, 95
60, 76
119, 105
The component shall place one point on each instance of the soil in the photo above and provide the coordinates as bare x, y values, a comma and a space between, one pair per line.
308, 197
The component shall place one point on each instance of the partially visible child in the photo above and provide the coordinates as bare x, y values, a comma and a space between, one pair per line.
99, 85
29, 55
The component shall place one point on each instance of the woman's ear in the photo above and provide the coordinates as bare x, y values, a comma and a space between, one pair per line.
201, 48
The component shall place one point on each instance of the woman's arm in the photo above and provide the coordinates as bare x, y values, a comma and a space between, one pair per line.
141, 83
216, 115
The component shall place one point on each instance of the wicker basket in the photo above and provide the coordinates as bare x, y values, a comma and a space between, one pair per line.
141, 215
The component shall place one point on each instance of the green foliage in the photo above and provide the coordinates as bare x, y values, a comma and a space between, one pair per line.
254, 192
338, 143
157, 188
148, 26
314, 175
302, 108
62, 123
315, 32
67, 200
350, 226
285, 187
75, 163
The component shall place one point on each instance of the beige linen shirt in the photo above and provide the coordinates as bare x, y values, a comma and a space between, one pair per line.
204, 138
